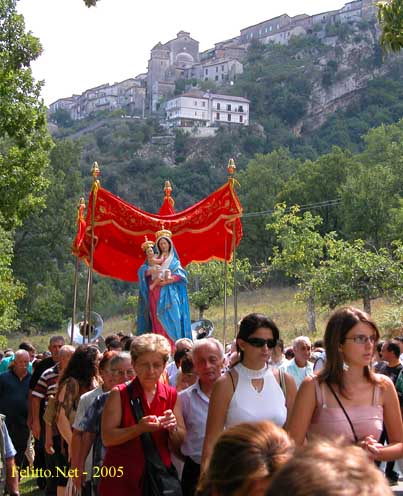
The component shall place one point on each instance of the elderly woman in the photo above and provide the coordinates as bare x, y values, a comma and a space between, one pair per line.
124, 463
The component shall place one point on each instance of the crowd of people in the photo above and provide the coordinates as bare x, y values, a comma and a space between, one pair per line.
253, 418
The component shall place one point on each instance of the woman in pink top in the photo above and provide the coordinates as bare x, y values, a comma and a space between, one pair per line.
346, 398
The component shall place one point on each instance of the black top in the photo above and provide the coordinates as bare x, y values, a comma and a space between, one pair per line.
14, 398
43, 365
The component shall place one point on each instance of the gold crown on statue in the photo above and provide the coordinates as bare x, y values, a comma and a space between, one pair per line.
147, 244
164, 232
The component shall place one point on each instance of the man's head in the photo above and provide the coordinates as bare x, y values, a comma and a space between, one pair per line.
208, 359
30, 348
55, 343
183, 343
302, 350
65, 353
20, 363
278, 350
390, 351
399, 340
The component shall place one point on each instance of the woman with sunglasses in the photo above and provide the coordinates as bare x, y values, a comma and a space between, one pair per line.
250, 391
347, 398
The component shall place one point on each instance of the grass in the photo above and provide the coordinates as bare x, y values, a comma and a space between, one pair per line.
279, 303
28, 487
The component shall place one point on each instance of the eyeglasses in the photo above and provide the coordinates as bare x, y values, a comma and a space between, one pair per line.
363, 339
260, 342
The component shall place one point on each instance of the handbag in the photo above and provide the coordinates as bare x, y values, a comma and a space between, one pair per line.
158, 480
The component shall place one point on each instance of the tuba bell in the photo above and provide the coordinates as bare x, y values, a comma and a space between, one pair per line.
86, 333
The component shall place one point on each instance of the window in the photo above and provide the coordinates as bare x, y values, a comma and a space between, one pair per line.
229, 117
218, 106
241, 118
216, 78
222, 77
270, 28
216, 69
229, 107
195, 103
217, 116
240, 108
203, 104
222, 67
206, 72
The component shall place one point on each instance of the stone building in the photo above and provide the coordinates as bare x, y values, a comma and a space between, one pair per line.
168, 63
205, 109
128, 95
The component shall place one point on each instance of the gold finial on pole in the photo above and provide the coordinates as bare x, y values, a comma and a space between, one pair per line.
168, 188
231, 167
95, 172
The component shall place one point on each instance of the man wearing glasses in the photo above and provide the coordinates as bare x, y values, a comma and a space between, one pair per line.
300, 366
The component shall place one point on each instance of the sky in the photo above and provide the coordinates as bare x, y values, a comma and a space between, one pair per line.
85, 47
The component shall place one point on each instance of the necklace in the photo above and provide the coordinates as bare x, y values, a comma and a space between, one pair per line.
251, 373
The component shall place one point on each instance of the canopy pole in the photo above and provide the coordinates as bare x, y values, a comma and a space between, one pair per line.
80, 216
235, 274
225, 292
95, 171
73, 317
231, 170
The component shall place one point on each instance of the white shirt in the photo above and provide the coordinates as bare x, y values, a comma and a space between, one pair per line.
249, 405
194, 410
85, 401
172, 371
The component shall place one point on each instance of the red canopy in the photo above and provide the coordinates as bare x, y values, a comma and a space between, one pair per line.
200, 233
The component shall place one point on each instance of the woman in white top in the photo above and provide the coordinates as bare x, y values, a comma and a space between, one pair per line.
251, 391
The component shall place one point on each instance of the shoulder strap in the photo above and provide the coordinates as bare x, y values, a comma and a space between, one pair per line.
232, 379
150, 450
318, 390
344, 411
283, 384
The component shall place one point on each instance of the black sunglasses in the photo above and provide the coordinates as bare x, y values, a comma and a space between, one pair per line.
260, 342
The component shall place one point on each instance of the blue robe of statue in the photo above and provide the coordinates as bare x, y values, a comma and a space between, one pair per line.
164, 309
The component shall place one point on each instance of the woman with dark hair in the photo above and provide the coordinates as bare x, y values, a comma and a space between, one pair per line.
347, 398
79, 377
163, 303
250, 390
244, 459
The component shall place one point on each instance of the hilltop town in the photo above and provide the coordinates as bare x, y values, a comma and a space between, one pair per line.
180, 60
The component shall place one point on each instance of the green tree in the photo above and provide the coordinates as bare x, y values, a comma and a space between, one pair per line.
299, 250
24, 139
261, 182
10, 289
367, 197
352, 272
390, 15
318, 182
43, 260
207, 281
